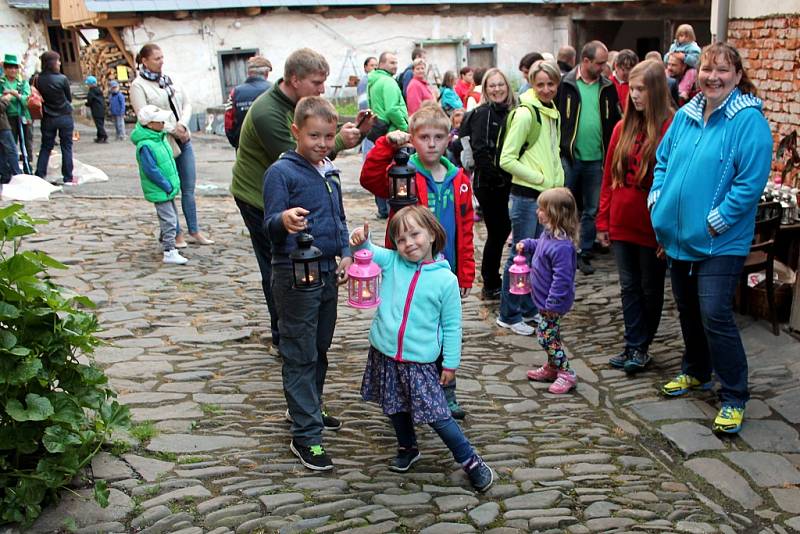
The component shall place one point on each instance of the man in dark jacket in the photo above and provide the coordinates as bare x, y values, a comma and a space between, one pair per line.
57, 120
242, 96
589, 108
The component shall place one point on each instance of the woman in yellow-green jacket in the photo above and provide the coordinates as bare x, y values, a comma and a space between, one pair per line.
531, 155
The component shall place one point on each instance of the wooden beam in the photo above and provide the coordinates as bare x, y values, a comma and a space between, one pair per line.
690, 11
319, 10
114, 33
441, 8
120, 22
252, 11
383, 8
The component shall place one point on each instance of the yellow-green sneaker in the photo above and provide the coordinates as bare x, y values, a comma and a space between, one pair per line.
682, 383
729, 419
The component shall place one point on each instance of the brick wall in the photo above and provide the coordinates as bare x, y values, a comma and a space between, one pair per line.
770, 48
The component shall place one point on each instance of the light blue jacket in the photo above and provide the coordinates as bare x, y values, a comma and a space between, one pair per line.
419, 316
710, 174
449, 99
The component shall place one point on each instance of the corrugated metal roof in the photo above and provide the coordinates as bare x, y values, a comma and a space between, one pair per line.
29, 4
116, 6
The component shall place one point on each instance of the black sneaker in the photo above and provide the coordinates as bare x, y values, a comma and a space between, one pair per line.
637, 362
313, 457
480, 475
619, 360
491, 294
585, 264
405, 459
329, 422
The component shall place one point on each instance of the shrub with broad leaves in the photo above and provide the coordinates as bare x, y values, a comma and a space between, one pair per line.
55, 411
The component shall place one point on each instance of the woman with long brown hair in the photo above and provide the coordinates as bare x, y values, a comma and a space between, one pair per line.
623, 219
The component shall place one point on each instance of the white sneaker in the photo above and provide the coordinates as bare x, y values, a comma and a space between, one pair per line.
519, 328
174, 257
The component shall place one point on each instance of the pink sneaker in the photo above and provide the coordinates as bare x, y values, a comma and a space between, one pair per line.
545, 373
563, 384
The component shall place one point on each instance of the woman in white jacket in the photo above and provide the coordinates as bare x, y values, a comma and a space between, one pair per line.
153, 87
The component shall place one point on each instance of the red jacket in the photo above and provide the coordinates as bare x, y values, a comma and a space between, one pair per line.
622, 91
623, 210
463, 90
375, 179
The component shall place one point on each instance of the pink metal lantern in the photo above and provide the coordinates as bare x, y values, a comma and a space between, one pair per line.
365, 281
519, 276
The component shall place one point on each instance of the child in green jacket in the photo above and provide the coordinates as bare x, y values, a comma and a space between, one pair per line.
158, 175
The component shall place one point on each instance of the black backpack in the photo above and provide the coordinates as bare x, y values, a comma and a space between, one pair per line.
533, 133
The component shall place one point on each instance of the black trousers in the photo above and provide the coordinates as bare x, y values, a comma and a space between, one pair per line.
99, 123
494, 206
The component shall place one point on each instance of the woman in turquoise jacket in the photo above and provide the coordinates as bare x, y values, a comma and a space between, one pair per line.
711, 168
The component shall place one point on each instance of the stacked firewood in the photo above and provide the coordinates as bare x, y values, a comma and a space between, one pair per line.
101, 58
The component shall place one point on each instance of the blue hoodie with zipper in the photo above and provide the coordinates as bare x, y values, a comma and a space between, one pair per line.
293, 182
710, 175
419, 316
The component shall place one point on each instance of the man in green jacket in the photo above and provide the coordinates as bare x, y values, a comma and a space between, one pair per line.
12, 82
265, 135
386, 98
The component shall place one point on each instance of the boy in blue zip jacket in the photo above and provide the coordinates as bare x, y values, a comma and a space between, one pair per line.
116, 106
302, 193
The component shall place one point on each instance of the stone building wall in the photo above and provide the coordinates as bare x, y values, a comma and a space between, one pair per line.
770, 48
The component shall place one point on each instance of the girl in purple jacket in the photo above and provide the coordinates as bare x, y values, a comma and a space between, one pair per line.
553, 282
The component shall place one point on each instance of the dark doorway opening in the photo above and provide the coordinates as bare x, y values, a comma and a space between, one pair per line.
233, 68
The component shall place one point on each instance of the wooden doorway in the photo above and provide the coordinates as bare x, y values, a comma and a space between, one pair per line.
233, 68
65, 42
482, 56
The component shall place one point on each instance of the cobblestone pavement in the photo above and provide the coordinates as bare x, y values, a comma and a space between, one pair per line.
189, 352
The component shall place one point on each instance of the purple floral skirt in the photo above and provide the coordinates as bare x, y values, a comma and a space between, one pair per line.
404, 387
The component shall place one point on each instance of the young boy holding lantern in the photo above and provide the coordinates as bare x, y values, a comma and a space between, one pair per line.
302, 195
437, 184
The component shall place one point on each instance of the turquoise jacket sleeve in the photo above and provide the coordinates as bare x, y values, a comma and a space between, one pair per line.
752, 163
450, 319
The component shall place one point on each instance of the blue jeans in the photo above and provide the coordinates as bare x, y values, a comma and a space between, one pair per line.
188, 176
524, 223
641, 282
119, 126
584, 179
448, 430
63, 125
9, 159
704, 293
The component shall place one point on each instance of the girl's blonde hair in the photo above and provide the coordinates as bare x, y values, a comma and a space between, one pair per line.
687, 30
561, 213
511, 100
650, 121
422, 217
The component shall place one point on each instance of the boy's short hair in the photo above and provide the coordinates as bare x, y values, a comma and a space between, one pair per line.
305, 62
314, 106
465, 70
422, 217
626, 58
429, 114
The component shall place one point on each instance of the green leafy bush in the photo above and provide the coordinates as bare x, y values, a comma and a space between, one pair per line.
55, 412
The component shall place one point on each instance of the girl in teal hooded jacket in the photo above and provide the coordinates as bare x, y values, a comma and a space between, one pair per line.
712, 165
419, 317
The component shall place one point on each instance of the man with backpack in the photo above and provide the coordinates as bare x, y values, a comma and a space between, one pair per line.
242, 96
589, 107
404, 78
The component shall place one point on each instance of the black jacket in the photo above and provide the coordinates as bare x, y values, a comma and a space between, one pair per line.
482, 125
242, 97
568, 101
56, 95
96, 102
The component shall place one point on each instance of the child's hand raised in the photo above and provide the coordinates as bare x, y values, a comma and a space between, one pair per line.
520, 247
294, 219
398, 138
359, 235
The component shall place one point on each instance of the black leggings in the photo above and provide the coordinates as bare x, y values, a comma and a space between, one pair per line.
494, 205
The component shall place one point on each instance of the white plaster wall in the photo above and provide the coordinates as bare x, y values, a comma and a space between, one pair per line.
750, 9
191, 46
20, 35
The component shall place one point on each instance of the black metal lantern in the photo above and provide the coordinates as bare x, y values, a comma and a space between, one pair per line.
305, 264
402, 181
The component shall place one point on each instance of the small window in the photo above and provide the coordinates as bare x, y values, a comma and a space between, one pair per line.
233, 69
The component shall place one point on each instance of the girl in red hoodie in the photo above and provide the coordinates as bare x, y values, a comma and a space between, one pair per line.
623, 218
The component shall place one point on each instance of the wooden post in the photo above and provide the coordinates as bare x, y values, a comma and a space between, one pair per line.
114, 33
